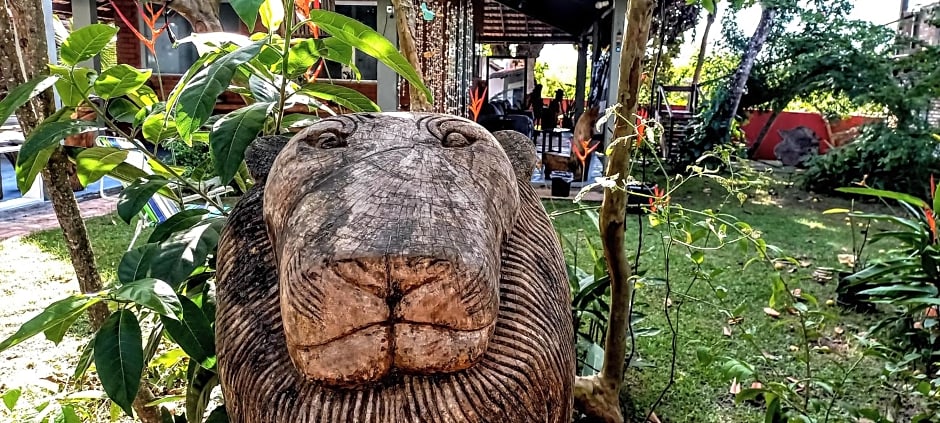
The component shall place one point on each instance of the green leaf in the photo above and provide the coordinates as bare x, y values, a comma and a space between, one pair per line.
136, 263
346, 97
178, 222
11, 397
68, 415
298, 120
370, 42
119, 358
31, 166
123, 110
231, 136
907, 198
218, 415
698, 256
152, 293
23, 93
247, 11
120, 80
128, 173
42, 140
704, 355
709, 5
172, 261
84, 360
52, 316
136, 195
73, 85
85, 42
157, 128
144, 96
198, 100
95, 162
272, 13
262, 90
193, 333
57, 332
306, 52
199, 390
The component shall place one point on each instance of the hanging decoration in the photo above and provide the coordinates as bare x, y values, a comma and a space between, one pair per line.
426, 13
446, 45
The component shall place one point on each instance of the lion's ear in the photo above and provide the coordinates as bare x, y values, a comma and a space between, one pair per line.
521, 152
260, 155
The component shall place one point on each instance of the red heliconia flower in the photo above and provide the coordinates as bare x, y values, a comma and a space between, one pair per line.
303, 12
640, 126
477, 98
931, 222
659, 196
150, 19
586, 149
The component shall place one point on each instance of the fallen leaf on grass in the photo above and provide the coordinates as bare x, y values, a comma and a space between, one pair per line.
838, 330
847, 259
794, 348
757, 385
735, 387
797, 292
726, 331
735, 320
770, 356
653, 418
771, 312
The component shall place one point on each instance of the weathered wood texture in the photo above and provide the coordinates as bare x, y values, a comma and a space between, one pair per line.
392, 268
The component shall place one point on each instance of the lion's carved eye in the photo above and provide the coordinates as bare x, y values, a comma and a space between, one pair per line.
456, 140
328, 140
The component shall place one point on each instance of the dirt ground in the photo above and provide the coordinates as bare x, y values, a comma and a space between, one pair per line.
31, 279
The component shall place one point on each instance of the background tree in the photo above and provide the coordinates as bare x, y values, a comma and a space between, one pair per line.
22, 59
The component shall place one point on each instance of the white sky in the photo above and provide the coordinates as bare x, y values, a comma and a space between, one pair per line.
561, 58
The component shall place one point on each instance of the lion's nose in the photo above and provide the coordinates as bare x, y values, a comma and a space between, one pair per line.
353, 321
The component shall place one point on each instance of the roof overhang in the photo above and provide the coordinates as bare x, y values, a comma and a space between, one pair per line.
536, 21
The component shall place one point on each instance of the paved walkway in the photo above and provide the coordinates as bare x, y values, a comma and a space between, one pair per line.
27, 220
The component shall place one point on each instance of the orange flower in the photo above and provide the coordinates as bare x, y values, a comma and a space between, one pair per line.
586, 149
150, 18
303, 11
477, 98
640, 125
931, 222
659, 196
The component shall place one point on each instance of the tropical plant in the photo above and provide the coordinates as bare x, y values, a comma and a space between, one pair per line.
882, 157
160, 328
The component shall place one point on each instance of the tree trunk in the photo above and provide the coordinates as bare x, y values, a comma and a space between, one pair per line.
404, 14
22, 57
203, 15
697, 76
599, 396
752, 150
754, 46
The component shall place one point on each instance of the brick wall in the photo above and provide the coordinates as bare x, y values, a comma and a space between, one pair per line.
128, 46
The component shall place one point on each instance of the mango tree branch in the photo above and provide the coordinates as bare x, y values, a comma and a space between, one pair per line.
599, 396
404, 13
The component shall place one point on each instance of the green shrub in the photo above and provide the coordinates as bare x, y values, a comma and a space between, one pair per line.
883, 157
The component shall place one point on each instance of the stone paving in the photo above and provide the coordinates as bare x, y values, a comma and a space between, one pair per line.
27, 220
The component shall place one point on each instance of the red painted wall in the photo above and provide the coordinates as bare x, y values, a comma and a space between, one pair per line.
790, 120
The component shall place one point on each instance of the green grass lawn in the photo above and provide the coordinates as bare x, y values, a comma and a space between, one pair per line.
791, 220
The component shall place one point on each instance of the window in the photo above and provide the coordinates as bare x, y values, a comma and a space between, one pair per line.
365, 12
177, 60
